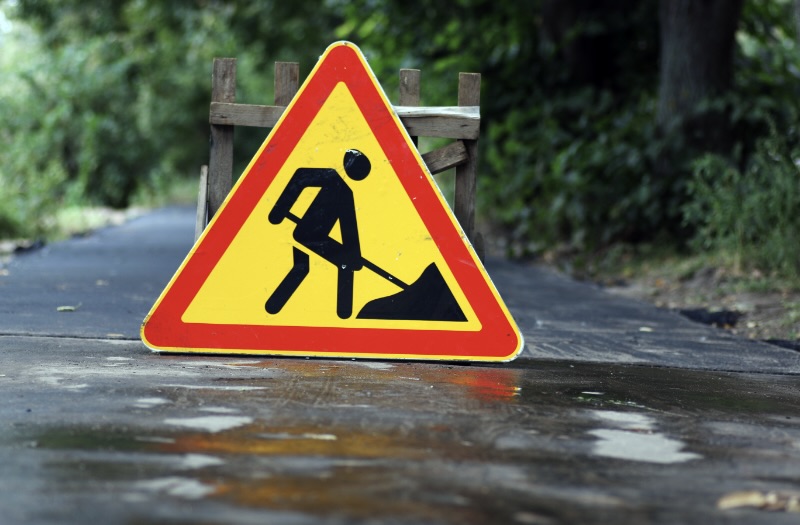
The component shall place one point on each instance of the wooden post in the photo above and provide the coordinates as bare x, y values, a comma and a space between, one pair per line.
220, 165
287, 82
202, 203
469, 94
410, 91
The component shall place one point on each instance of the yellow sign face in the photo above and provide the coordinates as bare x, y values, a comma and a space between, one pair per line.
335, 242
390, 232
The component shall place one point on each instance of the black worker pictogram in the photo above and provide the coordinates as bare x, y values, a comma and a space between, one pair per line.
427, 298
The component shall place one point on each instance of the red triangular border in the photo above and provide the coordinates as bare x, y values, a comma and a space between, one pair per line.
498, 339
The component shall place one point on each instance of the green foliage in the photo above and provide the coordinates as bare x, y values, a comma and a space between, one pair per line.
31, 177
567, 145
767, 74
747, 204
579, 172
108, 101
752, 213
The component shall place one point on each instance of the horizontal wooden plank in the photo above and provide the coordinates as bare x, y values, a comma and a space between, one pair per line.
444, 127
443, 121
464, 112
245, 114
442, 159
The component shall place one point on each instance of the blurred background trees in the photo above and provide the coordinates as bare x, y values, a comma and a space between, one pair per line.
604, 121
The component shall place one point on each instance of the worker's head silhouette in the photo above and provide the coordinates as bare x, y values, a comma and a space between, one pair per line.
356, 164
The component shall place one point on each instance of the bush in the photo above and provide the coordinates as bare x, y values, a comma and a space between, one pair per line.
751, 213
576, 169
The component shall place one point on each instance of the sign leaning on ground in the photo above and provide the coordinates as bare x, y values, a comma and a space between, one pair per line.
335, 242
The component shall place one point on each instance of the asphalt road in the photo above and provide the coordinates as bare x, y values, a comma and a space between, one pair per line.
616, 412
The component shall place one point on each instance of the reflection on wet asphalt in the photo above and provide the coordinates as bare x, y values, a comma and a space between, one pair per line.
635, 439
156, 439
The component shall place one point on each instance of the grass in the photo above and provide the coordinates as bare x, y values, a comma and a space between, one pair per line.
77, 220
623, 262
177, 191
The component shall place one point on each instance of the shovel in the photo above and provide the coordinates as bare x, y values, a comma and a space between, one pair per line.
426, 299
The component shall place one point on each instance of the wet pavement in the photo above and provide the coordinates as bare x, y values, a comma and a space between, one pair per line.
615, 413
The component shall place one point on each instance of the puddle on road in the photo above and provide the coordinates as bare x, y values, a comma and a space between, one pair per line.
150, 402
225, 388
604, 398
186, 488
635, 438
212, 424
197, 461
219, 410
374, 365
415, 442
357, 473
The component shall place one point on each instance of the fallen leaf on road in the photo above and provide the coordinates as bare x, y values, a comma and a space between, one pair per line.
785, 501
68, 308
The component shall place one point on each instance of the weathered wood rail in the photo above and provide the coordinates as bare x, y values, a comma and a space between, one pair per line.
452, 122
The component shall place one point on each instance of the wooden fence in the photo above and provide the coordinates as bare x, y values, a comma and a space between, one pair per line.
460, 123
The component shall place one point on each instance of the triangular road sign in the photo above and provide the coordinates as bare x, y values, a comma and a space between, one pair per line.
335, 242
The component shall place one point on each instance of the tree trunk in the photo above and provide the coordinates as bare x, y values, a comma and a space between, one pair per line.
697, 39
797, 20
589, 35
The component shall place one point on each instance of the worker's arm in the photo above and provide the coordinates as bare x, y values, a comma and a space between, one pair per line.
302, 179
